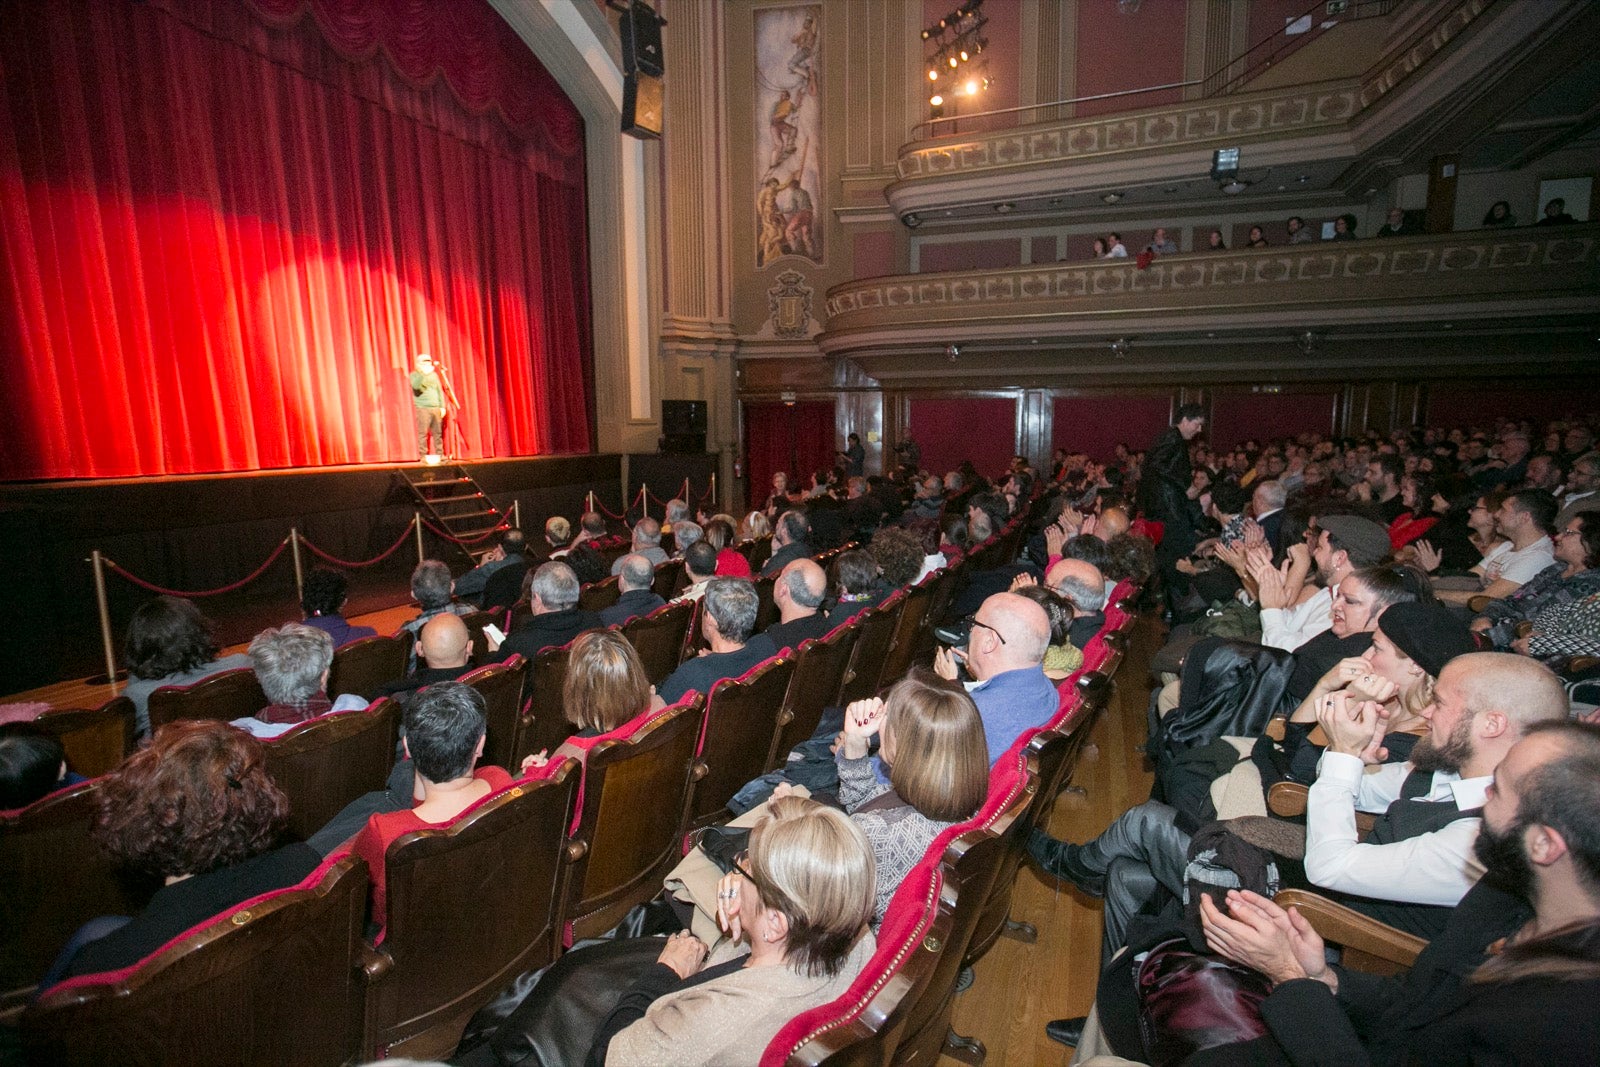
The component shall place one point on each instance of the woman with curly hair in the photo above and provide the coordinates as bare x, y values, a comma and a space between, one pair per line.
198, 810
169, 643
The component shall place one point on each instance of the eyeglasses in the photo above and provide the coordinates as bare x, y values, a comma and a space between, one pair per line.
741, 861
991, 629
1568, 533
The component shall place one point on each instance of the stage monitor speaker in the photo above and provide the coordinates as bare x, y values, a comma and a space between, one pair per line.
641, 40
683, 416
683, 444
642, 106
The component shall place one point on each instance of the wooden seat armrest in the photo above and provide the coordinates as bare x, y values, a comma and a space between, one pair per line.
1276, 728
1287, 799
1364, 939
1581, 664
375, 963
1479, 602
1524, 628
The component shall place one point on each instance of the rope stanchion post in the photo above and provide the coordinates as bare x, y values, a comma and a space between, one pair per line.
416, 518
299, 567
713, 488
516, 514
106, 644
590, 500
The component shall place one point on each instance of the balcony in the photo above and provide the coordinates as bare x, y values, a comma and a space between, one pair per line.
1375, 304
1444, 83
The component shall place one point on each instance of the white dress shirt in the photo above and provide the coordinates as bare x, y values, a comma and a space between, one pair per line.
1435, 868
1289, 628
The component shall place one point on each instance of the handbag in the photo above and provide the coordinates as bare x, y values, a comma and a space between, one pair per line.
1189, 1001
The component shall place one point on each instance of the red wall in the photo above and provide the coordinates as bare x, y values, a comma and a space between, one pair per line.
1117, 51
970, 255
1236, 417
872, 255
949, 430
1097, 424
1480, 404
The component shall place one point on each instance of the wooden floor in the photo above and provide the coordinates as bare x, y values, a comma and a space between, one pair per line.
1019, 987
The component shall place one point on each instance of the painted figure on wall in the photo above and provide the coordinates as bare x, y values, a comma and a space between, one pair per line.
788, 139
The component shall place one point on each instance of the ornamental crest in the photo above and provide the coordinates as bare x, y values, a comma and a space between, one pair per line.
790, 304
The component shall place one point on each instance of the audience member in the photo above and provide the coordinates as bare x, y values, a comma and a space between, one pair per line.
432, 589
323, 600
32, 766
1004, 655
1344, 227
1396, 225
932, 742
552, 592
859, 588
445, 646
1214, 242
1299, 234
1257, 238
198, 809
1582, 482
1574, 575
1499, 215
796, 914
604, 691
1516, 969
445, 730
798, 593
509, 554
1555, 214
701, 564
291, 663
1160, 244
1083, 587
727, 619
636, 579
1525, 519
788, 542
170, 643
646, 542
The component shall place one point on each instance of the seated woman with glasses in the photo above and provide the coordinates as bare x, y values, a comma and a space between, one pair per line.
796, 913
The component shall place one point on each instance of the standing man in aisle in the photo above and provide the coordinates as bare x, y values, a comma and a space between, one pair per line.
427, 397
1163, 493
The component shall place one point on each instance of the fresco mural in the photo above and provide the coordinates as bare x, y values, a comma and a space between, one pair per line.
788, 135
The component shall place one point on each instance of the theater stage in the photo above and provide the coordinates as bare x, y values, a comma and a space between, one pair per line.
203, 532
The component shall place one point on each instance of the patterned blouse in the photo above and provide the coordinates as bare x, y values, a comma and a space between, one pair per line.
899, 836
1543, 591
1570, 629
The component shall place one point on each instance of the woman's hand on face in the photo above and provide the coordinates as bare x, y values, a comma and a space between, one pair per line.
728, 904
684, 953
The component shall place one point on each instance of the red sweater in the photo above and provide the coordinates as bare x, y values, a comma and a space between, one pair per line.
383, 830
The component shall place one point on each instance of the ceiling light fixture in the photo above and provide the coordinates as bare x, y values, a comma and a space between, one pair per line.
1112, 198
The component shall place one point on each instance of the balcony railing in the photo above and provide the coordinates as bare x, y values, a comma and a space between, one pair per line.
1480, 274
1214, 120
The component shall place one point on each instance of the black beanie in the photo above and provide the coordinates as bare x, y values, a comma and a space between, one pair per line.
1430, 634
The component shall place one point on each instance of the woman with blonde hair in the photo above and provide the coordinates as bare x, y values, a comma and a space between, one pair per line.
606, 689
756, 524
938, 764
796, 909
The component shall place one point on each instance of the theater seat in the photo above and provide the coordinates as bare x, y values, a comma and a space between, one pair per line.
741, 719
501, 685
325, 763
819, 670
471, 905
272, 981
660, 638
95, 739
367, 663
226, 696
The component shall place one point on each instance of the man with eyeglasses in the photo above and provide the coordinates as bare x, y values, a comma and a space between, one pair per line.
1005, 657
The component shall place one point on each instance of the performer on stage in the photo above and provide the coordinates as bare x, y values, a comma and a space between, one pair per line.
427, 394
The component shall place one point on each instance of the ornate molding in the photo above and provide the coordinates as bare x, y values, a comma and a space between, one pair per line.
1189, 125
1294, 111
1529, 265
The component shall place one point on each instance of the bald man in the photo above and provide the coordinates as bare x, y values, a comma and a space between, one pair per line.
1005, 656
445, 646
1084, 587
1111, 522
798, 593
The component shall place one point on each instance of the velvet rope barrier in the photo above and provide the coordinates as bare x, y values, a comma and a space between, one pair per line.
466, 540
240, 584
608, 513
380, 557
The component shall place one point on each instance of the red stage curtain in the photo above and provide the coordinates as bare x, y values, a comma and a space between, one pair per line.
951, 429
228, 228
798, 439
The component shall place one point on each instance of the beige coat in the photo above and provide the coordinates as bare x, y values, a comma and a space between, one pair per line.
729, 1021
